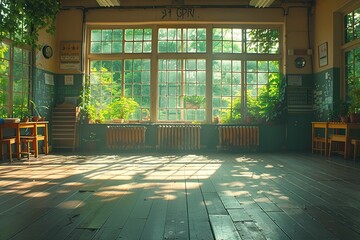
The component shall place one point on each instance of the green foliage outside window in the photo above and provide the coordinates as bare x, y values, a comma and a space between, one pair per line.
268, 106
352, 25
21, 21
121, 108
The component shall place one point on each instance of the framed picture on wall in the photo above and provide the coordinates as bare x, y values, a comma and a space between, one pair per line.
323, 54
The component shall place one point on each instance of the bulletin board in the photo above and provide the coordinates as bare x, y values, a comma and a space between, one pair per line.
70, 55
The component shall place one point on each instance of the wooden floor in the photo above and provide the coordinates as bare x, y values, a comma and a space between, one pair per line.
164, 196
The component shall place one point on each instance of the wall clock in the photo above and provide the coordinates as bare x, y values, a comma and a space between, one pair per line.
300, 62
47, 51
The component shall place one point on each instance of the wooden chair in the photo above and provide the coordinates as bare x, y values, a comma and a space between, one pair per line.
25, 145
337, 138
319, 145
33, 141
355, 143
7, 141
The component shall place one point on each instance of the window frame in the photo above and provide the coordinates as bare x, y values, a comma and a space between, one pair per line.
346, 47
208, 55
11, 108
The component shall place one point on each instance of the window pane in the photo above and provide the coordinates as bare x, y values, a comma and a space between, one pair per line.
176, 40
262, 41
181, 94
227, 40
352, 25
106, 41
138, 40
227, 89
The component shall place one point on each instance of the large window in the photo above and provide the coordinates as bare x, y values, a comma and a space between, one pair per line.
4, 79
114, 74
352, 52
15, 74
241, 87
188, 77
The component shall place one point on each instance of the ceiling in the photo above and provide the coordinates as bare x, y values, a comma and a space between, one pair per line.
176, 3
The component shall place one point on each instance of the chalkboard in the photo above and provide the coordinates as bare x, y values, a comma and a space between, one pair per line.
326, 94
43, 92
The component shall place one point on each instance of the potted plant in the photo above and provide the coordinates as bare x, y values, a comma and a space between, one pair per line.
145, 113
90, 141
38, 116
88, 111
354, 107
194, 102
269, 106
122, 108
344, 111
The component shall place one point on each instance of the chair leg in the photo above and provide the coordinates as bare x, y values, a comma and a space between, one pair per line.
1, 152
10, 152
26, 149
355, 151
330, 146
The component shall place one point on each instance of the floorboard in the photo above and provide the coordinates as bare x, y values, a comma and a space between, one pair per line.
180, 196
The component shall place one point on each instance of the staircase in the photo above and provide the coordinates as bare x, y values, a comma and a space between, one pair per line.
64, 121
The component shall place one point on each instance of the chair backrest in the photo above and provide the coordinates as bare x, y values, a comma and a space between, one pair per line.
338, 138
8, 140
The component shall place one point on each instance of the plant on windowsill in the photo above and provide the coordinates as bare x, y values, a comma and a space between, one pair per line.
354, 107
344, 111
194, 102
90, 140
89, 113
267, 107
122, 108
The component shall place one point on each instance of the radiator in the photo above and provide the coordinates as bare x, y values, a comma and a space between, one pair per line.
178, 137
125, 137
246, 137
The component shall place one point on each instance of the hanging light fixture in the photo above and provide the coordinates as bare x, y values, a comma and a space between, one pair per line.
261, 3
108, 3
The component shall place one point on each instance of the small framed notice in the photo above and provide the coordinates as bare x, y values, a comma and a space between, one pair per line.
69, 80
323, 54
49, 79
70, 55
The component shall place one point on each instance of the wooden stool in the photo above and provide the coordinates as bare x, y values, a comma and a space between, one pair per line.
9, 142
355, 143
26, 141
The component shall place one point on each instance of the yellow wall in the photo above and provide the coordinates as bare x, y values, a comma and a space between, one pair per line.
293, 19
297, 38
69, 29
40, 61
328, 28
70, 22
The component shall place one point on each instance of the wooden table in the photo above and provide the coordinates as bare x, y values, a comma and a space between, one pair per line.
33, 127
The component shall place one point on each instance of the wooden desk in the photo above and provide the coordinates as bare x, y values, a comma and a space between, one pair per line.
324, 127
347, 128
33, 127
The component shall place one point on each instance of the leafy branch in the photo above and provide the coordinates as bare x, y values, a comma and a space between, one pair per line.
22, 20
